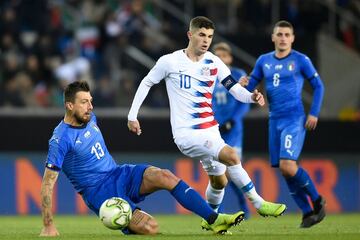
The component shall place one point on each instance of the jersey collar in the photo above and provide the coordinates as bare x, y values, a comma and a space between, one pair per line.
282, 57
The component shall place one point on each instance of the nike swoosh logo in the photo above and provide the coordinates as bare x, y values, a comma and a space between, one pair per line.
180, 71
189, 188
307, 183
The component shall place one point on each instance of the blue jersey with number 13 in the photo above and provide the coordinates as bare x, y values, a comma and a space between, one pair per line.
81, 153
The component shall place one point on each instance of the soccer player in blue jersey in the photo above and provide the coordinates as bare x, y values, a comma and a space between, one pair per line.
78, 149
229, 113
284, 71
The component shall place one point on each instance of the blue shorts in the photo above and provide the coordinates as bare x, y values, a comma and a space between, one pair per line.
124, 182
286, 138
234, 137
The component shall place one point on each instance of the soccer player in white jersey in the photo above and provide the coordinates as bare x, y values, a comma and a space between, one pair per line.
190, 75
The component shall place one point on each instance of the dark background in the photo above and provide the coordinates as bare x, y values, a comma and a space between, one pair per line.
33, 133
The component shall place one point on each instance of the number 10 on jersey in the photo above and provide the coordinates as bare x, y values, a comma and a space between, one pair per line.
185, 81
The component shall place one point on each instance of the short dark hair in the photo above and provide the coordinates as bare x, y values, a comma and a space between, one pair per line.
284, 23
201, 22
73, 88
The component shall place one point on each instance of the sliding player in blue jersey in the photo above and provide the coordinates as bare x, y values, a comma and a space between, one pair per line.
229, 113
78, 149
284, 71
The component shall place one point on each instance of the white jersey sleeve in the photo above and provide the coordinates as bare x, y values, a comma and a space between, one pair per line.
156, 74
239, 93
223, 70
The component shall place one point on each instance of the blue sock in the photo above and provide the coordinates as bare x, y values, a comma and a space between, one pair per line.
305, 182
298, 195
191, 200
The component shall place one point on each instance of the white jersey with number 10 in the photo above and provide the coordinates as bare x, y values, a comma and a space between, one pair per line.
190, 86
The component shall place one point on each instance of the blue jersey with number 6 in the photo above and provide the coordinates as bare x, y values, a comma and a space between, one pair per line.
81, 153
284, 80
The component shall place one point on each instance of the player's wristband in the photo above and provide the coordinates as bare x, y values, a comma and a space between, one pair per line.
52, 167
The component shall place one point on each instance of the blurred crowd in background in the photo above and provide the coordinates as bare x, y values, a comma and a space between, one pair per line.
46, 44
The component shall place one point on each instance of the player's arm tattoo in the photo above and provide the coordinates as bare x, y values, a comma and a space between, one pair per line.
47, 187
140, 220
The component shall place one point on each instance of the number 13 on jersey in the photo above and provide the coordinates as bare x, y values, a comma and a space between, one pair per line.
97, 150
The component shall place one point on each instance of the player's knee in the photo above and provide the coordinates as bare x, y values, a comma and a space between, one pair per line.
288, 168
218, 182
232, 157
169, 179
229, 156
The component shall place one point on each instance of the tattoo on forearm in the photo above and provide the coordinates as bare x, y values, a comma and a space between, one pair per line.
48, 219
47, 186
137, 218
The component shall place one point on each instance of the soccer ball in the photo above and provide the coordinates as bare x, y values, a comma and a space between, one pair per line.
115, 213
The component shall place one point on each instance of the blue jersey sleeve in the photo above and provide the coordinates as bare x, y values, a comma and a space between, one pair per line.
256, 75
237, 73
58, 147
309, 72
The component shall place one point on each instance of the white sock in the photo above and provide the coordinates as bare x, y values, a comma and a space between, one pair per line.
241, 179
214, 197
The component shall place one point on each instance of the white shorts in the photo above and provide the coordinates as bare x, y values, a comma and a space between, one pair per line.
203, 145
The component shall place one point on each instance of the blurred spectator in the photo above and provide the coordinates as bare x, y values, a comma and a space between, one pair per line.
127, 88
104, 94
49, 43
9, 23
75, 69
18, 91
11, 66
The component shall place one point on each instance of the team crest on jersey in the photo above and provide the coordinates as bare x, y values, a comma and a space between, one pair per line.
205, 71
291, 66
87, 134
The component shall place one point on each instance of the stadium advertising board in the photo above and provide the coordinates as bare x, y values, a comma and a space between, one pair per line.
337, 178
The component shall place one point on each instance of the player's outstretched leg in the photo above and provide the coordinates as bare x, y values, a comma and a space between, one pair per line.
223, 222
271, 209
242, 180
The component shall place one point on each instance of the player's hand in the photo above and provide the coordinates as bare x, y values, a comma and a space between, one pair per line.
49, 231
311, 122
258, 97
134, 126
244, 81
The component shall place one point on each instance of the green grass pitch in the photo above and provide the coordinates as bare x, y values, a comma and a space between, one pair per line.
340, 226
